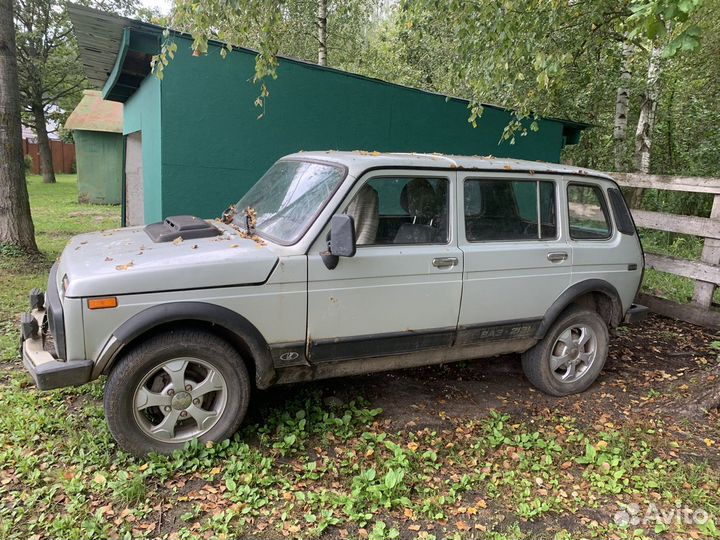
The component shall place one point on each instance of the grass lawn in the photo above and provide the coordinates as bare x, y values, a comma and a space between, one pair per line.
57, 216
467, 451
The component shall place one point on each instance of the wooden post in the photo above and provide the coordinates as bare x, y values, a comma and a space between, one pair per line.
711, 254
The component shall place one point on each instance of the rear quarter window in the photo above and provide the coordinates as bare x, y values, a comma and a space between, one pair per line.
621, 212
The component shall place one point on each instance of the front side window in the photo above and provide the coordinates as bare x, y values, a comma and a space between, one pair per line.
288, 197
587, 213
497, 210
401, 210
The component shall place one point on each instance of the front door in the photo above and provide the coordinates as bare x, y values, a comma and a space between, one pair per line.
401, 292
517, 256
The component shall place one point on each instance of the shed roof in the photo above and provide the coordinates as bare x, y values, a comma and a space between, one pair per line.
93, 113
99, 35
118, 63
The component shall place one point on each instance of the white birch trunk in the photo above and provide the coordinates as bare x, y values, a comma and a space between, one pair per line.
646, 122
622, 100
322, 32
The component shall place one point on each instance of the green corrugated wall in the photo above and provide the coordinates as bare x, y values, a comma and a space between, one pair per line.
213, 147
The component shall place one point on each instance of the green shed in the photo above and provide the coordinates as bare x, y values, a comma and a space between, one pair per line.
194, 142
97, 127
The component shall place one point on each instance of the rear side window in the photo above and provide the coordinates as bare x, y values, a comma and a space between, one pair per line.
587, 213
497, 210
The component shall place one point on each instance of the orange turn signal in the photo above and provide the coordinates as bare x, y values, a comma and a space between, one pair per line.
102, 303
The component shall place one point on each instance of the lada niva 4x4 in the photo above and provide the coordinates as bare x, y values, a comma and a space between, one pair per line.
334, 264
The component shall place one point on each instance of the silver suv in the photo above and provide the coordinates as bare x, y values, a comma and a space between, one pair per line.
333, 264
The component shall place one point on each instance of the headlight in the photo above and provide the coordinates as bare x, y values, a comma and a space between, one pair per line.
65, 284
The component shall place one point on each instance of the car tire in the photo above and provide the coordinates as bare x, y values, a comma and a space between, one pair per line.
148, 411
572, 354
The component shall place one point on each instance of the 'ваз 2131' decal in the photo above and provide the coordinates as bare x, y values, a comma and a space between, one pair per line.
516, 330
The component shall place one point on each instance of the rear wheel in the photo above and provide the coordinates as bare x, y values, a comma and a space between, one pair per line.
571, 355
174, 387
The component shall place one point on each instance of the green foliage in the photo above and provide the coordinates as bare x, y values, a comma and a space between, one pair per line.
272, 27
660, 18
530, 56
27, 160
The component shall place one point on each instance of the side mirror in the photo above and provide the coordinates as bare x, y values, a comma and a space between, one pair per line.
342, 240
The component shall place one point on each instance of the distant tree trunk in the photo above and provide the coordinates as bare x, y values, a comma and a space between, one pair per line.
646, 122
46, 161
16, 226
622, 100
322, 32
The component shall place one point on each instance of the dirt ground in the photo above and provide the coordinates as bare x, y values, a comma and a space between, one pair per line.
650, 367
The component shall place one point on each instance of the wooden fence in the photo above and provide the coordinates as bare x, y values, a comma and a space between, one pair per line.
63, 155
705, 272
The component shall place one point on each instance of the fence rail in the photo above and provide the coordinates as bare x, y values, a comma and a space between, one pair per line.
706, 272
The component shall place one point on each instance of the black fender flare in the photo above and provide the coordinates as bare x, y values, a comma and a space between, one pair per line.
571, 294
230, 321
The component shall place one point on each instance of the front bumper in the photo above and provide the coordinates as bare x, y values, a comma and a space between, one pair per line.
47, 371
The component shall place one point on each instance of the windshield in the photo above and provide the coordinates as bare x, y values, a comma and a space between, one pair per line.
288, 198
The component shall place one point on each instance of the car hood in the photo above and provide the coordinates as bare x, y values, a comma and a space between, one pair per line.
125, 261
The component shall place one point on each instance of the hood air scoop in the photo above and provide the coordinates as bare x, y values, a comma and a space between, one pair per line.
187, 227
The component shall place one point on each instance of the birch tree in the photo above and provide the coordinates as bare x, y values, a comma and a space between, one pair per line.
622, 105
322, 32
648, 109
646, 122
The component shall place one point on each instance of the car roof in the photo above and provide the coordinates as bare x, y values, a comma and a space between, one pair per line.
358, 161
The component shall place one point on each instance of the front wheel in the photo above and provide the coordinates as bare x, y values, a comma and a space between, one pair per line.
571, 355
174, 387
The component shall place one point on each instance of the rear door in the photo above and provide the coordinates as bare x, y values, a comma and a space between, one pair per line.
600, 250
517, 257
401, 292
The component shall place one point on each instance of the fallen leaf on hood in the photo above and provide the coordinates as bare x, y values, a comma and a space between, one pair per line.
108, 259
178, 240
124, 266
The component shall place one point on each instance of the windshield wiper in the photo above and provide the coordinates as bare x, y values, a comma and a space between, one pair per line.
250, 219
250, 215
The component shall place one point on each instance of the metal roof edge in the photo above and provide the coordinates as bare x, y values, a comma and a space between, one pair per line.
119, 61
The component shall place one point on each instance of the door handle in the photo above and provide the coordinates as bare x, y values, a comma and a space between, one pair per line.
557, 256
444, 262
